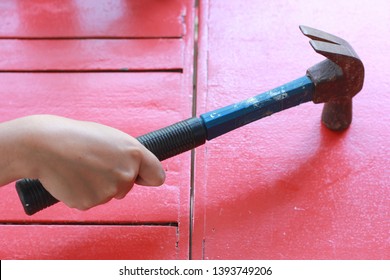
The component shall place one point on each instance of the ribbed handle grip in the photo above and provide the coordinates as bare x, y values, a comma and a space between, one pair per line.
164, 143
34, 196
175, 139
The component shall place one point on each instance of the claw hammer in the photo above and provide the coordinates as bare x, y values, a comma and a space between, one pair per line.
333, 81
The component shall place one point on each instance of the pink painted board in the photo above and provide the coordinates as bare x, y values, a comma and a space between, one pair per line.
285, 187
88, 242
91, 55
93, 19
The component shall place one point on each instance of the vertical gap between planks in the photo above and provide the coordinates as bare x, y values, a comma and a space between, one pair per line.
194, 108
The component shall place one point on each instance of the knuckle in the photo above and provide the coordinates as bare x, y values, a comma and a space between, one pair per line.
127, 177
121, 196
82, 206
135, 153
110, 191
71, 204
86, 205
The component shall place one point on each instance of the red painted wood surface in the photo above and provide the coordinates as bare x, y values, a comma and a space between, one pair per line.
41, 73
281, 188
285, 187
46, 242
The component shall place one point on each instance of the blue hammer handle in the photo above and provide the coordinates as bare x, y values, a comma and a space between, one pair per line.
191, 133
228, 118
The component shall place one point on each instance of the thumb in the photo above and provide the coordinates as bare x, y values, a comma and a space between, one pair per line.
150, 172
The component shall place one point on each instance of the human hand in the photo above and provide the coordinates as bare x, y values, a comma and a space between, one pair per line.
84, 164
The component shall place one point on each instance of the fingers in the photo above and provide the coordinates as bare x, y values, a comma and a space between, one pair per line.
150, 171
147, 171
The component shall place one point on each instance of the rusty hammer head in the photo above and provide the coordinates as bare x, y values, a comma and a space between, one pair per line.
337, 79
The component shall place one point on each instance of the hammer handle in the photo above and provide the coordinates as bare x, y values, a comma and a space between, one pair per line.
163, 143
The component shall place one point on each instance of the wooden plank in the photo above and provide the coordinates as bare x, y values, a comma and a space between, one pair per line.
92, 19
291, 189
91, 55
135, 103
88, 242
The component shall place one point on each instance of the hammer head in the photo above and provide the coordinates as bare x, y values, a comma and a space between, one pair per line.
337, 79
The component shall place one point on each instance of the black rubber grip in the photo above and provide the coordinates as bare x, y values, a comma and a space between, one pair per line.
163, 143
34, 196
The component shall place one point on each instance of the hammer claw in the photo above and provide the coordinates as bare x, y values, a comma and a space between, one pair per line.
337, 79
332, 51
320, 35
332, 40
